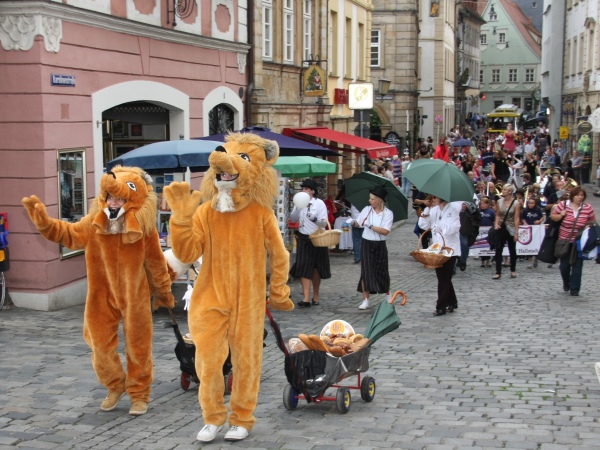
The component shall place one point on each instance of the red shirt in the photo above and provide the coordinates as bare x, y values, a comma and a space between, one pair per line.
586, 214
441, 152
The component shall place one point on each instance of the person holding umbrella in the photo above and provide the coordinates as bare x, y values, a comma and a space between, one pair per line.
444, 222
312, 263
376, 221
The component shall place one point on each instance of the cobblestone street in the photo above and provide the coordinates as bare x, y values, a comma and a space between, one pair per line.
513, 367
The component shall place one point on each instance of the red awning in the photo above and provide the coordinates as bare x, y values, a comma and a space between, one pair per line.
361, 145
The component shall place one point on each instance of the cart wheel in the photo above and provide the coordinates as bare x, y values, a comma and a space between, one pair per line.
185, 381
228, 383
367, 389
343, 400
290, 398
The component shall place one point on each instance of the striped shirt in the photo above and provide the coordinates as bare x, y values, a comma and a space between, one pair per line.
586, 214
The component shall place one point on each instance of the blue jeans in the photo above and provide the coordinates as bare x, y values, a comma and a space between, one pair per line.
406, 185
571, 273
464, 248
356, 242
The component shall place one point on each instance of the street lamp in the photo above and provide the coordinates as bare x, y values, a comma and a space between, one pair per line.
384, 86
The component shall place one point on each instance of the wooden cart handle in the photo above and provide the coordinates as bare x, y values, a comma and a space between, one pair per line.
403, 296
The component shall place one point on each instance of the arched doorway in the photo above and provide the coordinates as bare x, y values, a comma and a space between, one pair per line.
221, 119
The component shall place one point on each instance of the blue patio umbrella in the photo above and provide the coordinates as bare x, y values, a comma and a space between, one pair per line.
288, 146
174, 156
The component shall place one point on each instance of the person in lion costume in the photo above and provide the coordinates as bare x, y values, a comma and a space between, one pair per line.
234, 229
125, 264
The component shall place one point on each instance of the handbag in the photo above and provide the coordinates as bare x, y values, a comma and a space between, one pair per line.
563, 246
494, 237
546, 253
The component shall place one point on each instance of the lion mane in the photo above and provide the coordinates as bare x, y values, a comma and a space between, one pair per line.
257, 181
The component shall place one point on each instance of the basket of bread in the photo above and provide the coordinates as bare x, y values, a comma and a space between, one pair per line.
337, 338
434, 256
326, 238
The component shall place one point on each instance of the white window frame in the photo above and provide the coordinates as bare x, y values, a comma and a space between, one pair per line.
267, 29
288, 31
495, 75
307, 21
529, 75
375, 48
483, 39
501, 38
513, 75
481, 75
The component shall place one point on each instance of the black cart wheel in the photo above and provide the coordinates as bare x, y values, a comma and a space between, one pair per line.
290, 398
185, 380
367, 389
343, 400
228, 383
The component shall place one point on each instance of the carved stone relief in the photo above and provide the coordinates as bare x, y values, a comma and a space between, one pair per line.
18, 32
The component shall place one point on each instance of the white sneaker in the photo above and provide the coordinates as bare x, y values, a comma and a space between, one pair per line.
208, 433
364, 304
236, 433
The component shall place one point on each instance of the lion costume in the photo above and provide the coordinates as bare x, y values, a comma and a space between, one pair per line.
234, 229
124, 264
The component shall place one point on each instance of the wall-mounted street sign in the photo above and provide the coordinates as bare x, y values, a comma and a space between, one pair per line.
360, 96
393, 138
564, 132
313, 81
62, 80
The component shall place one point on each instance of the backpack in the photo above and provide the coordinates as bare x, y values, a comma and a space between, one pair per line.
469, 222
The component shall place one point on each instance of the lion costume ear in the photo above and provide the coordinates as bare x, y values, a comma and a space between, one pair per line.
271, 151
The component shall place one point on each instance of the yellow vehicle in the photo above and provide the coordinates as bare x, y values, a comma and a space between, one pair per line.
500, 117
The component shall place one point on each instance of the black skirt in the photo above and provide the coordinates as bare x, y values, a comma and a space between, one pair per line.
309, 258
374, 270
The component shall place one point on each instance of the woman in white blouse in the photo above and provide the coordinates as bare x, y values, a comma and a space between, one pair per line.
444, 220
376, 221
312, 263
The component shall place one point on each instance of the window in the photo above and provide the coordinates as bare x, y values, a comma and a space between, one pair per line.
512, 76
375, 48
267, 8
495, 75
497, 103
501, 38
361, 48
529, 75
493, 17
481, 75
333, 45
288, 31
516, 101
307, 20
348, 49
483, 39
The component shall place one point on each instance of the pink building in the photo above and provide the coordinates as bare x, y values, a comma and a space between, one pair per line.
85, 81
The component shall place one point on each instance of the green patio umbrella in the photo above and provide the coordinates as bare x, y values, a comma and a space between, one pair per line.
384, 319
304, 166
441, 179
359, 186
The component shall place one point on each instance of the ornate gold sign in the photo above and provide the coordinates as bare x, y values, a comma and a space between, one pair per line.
313, 81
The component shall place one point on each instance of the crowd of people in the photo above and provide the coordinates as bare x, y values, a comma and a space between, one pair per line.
518, 178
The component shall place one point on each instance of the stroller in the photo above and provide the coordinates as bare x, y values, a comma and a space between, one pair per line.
311, 372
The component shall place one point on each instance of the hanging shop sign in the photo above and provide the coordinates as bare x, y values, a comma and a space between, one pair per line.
313, 81
584, 127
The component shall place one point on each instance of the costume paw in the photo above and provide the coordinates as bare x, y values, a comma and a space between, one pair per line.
166, 300
36, 210
182, 202
285, 305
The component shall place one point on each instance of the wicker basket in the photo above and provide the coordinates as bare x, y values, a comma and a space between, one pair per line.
326, 238
431, 260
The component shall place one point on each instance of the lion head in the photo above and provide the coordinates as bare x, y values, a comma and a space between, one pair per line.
241, 173
133, 185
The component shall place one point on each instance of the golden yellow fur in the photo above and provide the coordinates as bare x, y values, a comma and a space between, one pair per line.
235, 229
125, 264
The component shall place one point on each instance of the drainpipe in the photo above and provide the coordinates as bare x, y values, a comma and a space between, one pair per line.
250, 87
